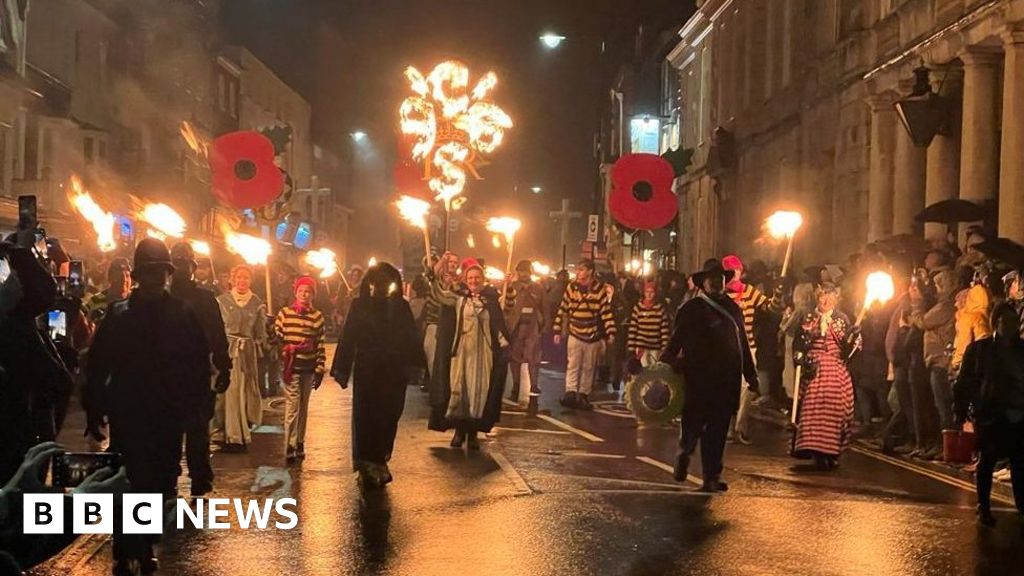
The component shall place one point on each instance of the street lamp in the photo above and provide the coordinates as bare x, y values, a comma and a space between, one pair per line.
358, 135
552, 40
536, 189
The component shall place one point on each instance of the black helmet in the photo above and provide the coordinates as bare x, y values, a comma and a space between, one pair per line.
182, 253
152, 252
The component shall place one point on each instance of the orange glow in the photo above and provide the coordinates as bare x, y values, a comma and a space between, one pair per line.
784, 224
255, 251
324, 260
413, 211
163, 221
102, 221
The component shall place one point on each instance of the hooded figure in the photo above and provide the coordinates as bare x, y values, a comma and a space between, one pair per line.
380, 349
972, 322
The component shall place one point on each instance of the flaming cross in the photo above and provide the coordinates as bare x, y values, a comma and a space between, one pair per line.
452, 125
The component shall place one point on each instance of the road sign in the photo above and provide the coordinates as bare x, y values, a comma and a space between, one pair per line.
593, 224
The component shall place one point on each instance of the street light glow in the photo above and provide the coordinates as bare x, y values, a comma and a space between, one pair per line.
552, 41
536, 189
359, 135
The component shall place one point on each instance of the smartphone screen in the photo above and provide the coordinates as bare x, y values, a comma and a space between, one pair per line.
71, 468
58, 322
76, 278
27, 212
40, 245
5, 270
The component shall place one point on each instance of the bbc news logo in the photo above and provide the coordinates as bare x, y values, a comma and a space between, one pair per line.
144, 513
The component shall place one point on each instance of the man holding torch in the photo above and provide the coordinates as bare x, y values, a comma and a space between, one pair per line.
524, 313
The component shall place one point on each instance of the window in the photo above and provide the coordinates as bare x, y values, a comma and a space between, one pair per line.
222, 89
103, 149
705, 93
233, 98
89, 143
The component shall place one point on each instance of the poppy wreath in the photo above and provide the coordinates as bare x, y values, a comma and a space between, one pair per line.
642, 197
244, 173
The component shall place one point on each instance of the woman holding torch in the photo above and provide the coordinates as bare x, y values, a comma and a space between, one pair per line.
825, 411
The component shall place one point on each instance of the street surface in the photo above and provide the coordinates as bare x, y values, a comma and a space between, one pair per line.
575, 494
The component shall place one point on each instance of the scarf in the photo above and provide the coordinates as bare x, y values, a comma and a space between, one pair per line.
826, 320
241, 299
301, 308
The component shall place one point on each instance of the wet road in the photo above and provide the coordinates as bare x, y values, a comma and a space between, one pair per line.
574, 493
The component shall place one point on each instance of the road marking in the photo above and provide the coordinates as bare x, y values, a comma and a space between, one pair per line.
512, 413
614, 414
962, 484
587, 455
533, 430
659, 464
672, 486
522, 488
573, 429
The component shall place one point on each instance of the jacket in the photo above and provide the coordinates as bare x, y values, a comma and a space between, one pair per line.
981, 387
939, 323
207, 309
972, 323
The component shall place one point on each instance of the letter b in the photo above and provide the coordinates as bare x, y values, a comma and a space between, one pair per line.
92, 513
43, 514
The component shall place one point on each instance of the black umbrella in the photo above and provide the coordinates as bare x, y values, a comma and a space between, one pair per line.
1004, 250
954, 211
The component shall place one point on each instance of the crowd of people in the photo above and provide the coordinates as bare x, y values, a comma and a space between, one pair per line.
170, 359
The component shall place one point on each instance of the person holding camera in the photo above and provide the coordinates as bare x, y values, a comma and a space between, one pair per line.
149, 374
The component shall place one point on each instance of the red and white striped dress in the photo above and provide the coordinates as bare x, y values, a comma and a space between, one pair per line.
826, 400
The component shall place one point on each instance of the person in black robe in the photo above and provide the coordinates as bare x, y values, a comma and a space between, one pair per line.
710, 348
380, 347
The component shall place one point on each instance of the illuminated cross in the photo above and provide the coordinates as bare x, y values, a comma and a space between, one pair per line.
564, 217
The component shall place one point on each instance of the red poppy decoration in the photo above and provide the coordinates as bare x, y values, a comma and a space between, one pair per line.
642, 197
244, 173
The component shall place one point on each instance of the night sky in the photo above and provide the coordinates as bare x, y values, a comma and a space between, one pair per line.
347, 56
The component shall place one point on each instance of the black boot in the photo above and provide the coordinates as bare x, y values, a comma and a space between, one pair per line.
473, 442
985, 517
458, 439
569, 400
680, 470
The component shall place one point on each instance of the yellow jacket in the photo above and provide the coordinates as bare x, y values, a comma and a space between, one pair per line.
972, 323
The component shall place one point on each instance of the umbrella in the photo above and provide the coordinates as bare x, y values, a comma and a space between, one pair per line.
901, 244
1003, 250
954, 211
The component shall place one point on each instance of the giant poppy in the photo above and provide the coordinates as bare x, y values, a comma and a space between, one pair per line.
244, 173
642, 197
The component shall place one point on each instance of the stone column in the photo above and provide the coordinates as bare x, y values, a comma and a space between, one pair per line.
884, 123
979, 140
908, 178
1011, 174
942, 180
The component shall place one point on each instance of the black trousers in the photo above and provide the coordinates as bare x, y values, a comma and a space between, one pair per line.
710, 429
197, 445
998, 440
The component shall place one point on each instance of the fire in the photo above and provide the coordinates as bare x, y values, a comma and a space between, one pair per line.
163, 220
254, 250
413, 211
496, 241
102, 221
200, 247
372, 262
470, 241
324, 260
451, 124
541, 269
505, 226
494, 274
784, 224
880, 288
194, 141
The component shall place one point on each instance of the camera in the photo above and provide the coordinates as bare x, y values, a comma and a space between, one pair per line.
71, 468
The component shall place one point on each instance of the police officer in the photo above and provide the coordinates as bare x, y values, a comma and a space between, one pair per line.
204, 304
148, 373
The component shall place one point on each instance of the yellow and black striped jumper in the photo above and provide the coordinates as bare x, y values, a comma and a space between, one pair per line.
301, 332
749, 301
585, 315
648, 329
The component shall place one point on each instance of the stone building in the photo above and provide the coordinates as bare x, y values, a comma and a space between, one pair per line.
790, 104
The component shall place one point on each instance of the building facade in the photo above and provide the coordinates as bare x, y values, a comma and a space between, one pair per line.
791, 104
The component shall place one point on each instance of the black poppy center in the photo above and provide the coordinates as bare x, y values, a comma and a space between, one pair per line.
245, 169
643, 191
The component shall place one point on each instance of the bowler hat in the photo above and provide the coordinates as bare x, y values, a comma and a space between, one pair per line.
152, 252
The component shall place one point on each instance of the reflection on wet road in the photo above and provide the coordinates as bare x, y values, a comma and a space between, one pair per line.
577, 494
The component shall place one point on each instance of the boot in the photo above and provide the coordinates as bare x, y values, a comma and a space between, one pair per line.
569, 400
679, 471
985, 517
458, 439
474, 442
583, 403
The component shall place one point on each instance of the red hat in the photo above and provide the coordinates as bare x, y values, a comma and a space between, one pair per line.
732, 262
468, 263
304, 281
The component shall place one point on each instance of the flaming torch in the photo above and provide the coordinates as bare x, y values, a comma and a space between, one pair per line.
200, 247
163, 221
102, 221
324, 260
494, 274
415, 211
255, 252
783, 225
507, 227
880, 289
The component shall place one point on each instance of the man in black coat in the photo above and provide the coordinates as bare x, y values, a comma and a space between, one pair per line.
148, 373
710, 348
207, 310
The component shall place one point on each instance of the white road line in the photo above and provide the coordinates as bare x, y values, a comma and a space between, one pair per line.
587, 455
956, 482
522, 488
573, 429
659, 464
532, 430
512, 413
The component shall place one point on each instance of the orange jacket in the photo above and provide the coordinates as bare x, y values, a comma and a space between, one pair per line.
972, 323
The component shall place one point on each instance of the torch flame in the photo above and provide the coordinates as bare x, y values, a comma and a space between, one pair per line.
880, 288
200, 247
494, 274
541, 269
194, 141
505, 226
255, 251
372, 262
496, 241
163, 220
324, 260
784, 224
413, 211
470, 241
102, 221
